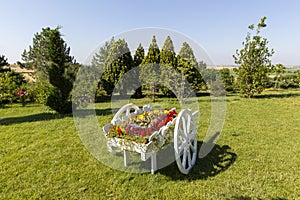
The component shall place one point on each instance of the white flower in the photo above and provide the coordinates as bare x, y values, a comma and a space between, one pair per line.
147, 108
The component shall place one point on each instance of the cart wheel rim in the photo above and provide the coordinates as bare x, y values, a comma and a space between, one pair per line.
185, 141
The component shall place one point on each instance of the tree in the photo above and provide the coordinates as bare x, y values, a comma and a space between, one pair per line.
3, 62
100, 57
254, 61
49, 57
167, 54
118, 62
92, 74
227, 78
187, 65
278, 69
150, 72
138, 58
168, 61
298, 77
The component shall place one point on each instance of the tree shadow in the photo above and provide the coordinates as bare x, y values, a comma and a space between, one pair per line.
218, 160
282, 95
51, 116
32, 118
240, 198
98, 112
249, 198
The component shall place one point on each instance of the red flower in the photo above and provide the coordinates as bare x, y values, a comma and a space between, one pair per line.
119, 131
161, 124
128, 129
168, 119
142, 132
21, 92
148, 131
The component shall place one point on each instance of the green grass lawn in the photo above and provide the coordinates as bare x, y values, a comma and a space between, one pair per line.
256, 157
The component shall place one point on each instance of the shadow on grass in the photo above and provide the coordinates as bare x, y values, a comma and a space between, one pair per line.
218, 160
249, 198
50, 116
31, 118
117, 97
281, 95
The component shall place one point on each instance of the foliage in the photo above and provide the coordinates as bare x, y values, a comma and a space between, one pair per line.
47, 46
139, 55
168, 63
112, 61
254, 61
118, 62
214, 81
187, 65
98, 67
278, 69
87, 86
288, 81
10, 83
3, 62
49, 56
298, 76
138, 58
228, 79
39, 91
150, 71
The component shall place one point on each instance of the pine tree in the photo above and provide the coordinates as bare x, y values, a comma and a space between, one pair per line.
137, 60
50, 57
150, 72
168, 61
118, 62
187, 65
100, 57
95, 70
3, 62
139, 55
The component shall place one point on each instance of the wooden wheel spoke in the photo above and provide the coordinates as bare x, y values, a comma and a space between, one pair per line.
185, 141
185, 131
181, 147
184, 159
188, 123
181, 130
193, 148
189, 159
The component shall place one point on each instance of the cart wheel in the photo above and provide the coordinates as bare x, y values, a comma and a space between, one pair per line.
185, 141
125, 113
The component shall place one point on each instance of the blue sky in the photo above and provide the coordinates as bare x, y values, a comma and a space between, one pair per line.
219, 26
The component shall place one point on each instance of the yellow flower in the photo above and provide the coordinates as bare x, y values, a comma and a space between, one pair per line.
122, 129
141, 117
156, 111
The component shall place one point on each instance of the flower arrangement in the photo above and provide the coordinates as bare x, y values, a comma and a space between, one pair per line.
140, 127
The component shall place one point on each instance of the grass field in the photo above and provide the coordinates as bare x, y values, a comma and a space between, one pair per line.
256, 157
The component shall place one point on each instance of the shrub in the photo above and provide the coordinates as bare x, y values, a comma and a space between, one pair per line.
10, 83
58, 103
289, 81
39, 91
228, 79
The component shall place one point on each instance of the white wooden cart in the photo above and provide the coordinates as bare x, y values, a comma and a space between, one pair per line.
181, 131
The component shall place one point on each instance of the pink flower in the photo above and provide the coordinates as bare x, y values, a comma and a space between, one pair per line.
21, 92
